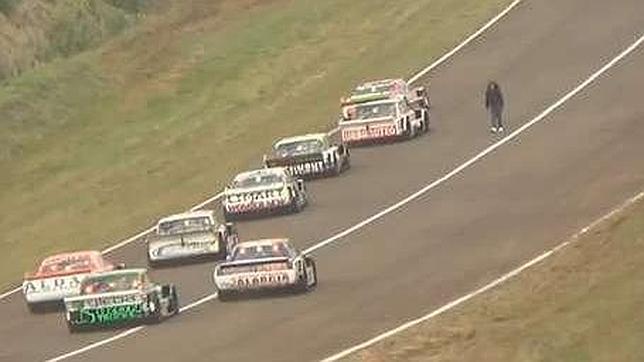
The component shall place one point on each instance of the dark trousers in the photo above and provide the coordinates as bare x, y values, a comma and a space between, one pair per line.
496, 117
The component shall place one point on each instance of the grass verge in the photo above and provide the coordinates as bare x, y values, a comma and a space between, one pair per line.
581, 304
94, 147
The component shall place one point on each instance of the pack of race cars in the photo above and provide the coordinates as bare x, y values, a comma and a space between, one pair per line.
95, 292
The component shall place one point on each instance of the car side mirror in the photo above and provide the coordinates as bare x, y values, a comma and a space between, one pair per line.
119, 266
300, 184
420, 92
418, 113
165, 290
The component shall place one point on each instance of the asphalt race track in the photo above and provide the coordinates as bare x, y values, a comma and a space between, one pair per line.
584, 159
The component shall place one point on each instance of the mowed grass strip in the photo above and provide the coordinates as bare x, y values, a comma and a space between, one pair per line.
582, 304
96, 147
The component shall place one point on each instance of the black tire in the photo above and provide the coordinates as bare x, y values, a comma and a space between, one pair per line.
346, 164
294, 207
315, 273
228, 217
225, 295
44, 307
347, 159
156, 316
425, 121
174, 302
72, 328
35, 308
303, 285
409, 132
153, 263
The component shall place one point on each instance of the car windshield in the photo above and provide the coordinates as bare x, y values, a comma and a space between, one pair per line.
65, 264
260, 251
369, 111
300, 147
112, 283
184, 225
256, 179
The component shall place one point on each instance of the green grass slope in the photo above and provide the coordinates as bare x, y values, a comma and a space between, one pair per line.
582, 304
97, 146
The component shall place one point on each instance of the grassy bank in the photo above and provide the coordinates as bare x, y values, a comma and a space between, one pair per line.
582, 304
97, 146
33, 32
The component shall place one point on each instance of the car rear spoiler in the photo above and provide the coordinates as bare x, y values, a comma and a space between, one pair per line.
276, 161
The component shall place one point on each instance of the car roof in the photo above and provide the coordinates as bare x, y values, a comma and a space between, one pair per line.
300, 138
262, 242
262, 171
375, 83
93, 254
392, 100
119, 272
187, 215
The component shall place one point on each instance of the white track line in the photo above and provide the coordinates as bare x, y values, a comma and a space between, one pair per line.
97, 344
475, 35
413, 79
441, 180
485, 288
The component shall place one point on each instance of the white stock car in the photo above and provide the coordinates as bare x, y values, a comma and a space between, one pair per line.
190, 235
268, 264
263, 191
383, 111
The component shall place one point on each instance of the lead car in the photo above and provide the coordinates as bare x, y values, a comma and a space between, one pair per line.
261, 265
120, 297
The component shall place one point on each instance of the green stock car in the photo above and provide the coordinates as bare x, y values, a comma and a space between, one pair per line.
120, 297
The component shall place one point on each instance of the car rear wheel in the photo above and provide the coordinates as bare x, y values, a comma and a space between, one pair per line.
310, 278
224, 295
425, 121
153, 263
173, 307
35, 308
314, 275
409, 130
155, 311
72, 328
228, 217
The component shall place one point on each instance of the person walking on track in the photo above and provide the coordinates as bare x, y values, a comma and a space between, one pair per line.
494, 105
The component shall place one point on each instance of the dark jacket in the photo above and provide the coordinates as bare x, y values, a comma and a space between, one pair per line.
494, 97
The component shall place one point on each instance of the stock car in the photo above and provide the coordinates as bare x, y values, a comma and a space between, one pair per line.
383, 113
264, 191
268, 264
190, 235
119, 297
309, 156
60, 276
